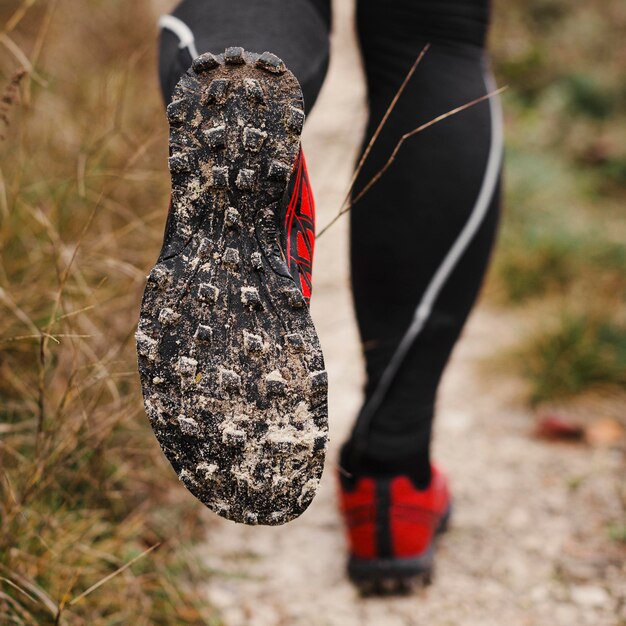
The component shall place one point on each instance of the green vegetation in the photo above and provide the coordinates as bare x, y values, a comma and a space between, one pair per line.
563, 240
577, 354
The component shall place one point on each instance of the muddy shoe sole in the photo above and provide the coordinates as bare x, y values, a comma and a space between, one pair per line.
231, 367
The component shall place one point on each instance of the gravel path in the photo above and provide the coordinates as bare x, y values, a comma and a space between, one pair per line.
528, 543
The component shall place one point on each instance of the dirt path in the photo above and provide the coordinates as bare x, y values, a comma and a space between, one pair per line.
528, 542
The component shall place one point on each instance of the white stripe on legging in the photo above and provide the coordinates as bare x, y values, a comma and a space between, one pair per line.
425, 306
182, 31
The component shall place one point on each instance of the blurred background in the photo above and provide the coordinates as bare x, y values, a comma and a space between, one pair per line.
94, 526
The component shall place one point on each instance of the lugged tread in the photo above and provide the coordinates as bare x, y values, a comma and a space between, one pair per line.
204, 63
216, 91
231, 368
295, 119
253, 89
176, 111
271, 63
216, 136
234, 55
253, 138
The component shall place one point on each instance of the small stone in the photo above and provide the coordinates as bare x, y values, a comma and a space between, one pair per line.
257, 260
589, 595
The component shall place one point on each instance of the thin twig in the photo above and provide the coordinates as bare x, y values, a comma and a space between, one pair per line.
119, 570
406, 136
392, 158
41, 37
17, 52
17, 16
46, 332
382, 123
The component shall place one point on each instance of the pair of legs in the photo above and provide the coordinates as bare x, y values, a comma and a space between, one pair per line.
421, 237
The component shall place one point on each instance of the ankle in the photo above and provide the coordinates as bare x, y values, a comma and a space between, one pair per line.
415, 465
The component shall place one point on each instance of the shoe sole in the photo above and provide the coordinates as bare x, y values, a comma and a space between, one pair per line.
231, 367
395, 575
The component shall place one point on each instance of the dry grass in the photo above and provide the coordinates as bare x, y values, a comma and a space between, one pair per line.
84, 488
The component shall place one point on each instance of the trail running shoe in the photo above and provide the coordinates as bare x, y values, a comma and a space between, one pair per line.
391, 528
231, 367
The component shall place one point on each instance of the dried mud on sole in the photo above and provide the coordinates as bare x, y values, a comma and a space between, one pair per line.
231, 367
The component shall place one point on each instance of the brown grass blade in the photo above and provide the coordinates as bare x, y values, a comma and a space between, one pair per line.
383, 121
36, 591
399, 145
119, 570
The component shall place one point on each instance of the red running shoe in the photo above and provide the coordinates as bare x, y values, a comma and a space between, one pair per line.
392, 527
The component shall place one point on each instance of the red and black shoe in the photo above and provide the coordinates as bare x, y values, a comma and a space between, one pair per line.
299, 226
391, 528
231, 367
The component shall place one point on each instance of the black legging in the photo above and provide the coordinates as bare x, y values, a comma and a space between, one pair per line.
421, 237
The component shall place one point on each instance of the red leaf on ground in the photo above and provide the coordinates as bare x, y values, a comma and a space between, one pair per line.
554, 427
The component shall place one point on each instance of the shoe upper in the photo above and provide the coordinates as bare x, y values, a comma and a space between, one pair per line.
390, 517
299, 226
